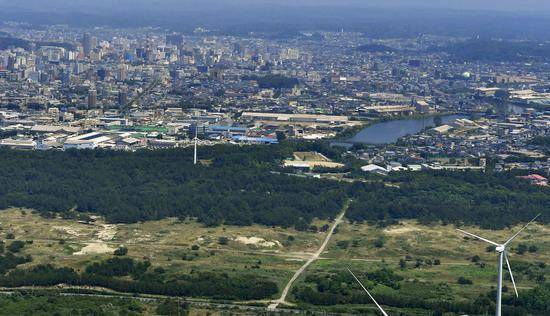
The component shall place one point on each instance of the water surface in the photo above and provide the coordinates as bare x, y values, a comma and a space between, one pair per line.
390, 132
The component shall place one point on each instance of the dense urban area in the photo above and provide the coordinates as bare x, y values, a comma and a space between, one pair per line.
64, 88
148, 171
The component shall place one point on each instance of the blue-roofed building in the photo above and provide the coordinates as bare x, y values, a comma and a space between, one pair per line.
227, 129
128, 56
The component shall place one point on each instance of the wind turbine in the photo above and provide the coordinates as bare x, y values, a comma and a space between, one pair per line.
371, 297
502, 250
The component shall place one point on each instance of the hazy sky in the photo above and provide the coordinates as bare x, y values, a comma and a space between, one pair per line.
540, 6
488, 18
498, 5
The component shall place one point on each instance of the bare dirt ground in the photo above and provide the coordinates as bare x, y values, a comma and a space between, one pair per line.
94, 248
257, 241
401, 230
106, 233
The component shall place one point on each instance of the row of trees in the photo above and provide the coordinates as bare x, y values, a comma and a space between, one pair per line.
113, 274
41, 303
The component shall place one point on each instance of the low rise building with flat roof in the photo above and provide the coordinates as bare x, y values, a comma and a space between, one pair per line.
296, 118
18, 143
86, 141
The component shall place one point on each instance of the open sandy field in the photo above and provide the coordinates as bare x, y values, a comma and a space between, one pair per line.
276, 253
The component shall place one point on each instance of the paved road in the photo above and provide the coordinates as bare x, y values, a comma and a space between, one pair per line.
273, 306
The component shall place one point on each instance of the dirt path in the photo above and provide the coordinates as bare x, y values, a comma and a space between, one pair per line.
273, 306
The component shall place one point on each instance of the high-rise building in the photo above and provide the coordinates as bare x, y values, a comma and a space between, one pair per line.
12, 61
78, 68
102, 74
140, 53
290, 54
175, 40
122, 97
122, 72
215, 73
92, 99
87, 44
239, 49
95, 42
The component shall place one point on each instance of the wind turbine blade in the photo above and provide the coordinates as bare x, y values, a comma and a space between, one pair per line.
511, 275
480, 238
371, 297
514, 237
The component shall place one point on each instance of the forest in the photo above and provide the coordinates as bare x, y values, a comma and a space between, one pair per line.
129, 276
274, 81
238, 187
491, 201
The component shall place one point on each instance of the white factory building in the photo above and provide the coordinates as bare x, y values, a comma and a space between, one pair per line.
86, 141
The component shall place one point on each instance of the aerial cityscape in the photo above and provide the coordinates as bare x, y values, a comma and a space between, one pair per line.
207, 158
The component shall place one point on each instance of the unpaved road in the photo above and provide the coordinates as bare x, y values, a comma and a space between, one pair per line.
273, 306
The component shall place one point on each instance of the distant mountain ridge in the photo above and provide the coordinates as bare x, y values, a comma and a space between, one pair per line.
228, 18
505, 51
8, 41
375, 48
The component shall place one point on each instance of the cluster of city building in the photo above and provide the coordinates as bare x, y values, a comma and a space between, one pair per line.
465, 144
63, 87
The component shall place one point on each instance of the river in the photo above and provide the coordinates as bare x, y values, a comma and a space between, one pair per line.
390, 132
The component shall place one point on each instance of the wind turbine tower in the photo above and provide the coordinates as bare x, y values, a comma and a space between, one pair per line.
196, 140
502, 251
368, 293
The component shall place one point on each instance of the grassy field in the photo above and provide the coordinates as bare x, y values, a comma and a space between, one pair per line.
182, 246
445, 242
365, 248
273, 252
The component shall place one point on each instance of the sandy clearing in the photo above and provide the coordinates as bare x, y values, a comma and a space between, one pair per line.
401, 230
144, 238
94, 248
107, 233
256, 241
69, 230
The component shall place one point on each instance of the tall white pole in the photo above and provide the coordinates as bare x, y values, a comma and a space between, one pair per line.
371, 297
499, 289
195, 155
